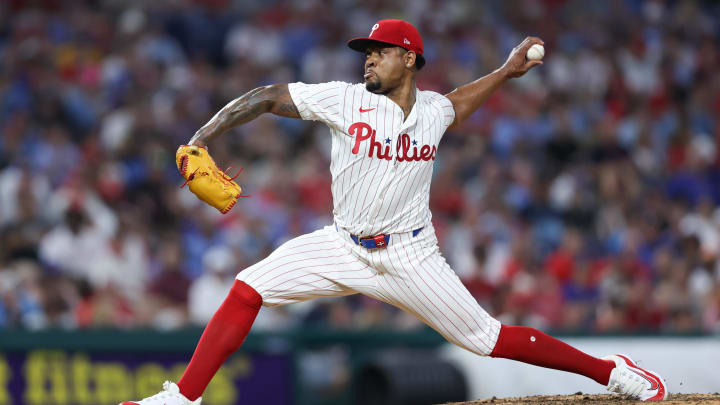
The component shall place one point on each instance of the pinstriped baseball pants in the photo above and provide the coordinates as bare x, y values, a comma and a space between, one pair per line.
410, 274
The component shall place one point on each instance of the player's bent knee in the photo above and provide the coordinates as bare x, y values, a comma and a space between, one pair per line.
484, 339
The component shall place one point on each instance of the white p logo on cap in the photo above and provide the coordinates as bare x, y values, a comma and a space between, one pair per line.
374, 27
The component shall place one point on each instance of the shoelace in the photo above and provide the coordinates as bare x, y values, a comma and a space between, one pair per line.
165, 393
635, 384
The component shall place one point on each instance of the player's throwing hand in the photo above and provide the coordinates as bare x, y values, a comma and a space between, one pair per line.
516, 64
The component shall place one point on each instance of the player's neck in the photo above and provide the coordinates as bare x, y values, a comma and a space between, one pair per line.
404, 96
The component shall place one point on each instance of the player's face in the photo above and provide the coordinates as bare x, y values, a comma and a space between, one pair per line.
384, 68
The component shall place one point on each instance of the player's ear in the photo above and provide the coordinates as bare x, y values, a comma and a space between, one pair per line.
410, 58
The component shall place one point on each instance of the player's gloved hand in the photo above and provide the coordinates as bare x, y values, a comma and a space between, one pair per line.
205, 179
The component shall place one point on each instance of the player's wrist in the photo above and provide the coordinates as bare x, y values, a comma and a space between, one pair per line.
197, 142
504, 72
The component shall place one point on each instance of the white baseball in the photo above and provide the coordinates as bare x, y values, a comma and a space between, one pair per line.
536, 52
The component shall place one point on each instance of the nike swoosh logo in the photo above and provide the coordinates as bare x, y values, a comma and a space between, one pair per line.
653, 383
366, 110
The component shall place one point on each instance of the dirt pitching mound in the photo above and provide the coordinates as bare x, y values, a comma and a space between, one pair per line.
580, 398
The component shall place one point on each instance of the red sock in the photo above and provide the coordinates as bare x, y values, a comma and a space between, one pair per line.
534, 347
223, 335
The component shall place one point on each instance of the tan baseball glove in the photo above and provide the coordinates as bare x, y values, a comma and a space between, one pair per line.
205, 179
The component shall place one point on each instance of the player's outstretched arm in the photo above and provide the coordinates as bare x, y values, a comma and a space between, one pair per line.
468, 98
274, 99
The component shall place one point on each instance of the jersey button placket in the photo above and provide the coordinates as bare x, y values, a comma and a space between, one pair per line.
375, 208
386, 179
396, 133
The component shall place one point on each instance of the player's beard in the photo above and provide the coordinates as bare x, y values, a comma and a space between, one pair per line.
373, 86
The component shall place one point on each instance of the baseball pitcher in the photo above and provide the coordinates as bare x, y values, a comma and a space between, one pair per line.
385, 134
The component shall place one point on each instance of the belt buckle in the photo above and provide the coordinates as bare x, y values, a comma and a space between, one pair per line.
379, 241
374, 242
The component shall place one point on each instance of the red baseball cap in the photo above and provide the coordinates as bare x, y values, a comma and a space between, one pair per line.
393, 32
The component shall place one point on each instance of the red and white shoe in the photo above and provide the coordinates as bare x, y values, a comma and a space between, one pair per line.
629, 379
170, 395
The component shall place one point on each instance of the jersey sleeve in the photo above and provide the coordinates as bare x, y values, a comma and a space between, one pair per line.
319, 102
446, 111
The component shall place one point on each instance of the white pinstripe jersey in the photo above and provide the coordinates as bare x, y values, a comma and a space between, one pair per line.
381, 166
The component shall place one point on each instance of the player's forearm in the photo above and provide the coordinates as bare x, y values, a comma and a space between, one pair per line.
237, 112
468, 98
274, 98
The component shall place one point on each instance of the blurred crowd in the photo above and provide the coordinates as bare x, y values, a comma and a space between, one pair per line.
583, 197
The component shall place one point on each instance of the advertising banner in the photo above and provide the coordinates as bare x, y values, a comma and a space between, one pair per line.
64, 377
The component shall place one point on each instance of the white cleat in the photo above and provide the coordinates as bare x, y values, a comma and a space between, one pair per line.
170, 395
629, 379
